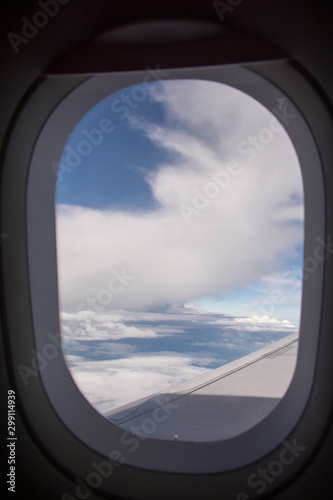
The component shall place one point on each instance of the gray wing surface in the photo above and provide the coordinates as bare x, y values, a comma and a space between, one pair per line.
218, 405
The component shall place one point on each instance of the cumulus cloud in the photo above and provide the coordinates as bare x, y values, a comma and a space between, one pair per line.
113, 383
85, 325
245, 231
264, 323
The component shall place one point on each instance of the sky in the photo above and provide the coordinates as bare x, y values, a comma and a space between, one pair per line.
179, 220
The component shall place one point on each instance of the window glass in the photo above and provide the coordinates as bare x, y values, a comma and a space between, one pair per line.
179, 224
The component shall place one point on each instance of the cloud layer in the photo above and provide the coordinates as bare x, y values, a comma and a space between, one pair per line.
117, 358
228, 216
250, 228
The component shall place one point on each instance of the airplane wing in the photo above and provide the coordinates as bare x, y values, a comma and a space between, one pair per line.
218, 405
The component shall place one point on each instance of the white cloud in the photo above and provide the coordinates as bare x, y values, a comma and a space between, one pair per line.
207, 108
261, 323
114, 383
88, 325
289, 213
243, 234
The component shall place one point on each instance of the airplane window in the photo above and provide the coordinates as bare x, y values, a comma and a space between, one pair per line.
179, 232
171, 253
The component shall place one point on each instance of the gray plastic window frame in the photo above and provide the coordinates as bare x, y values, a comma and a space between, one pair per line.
70, 405
85, 423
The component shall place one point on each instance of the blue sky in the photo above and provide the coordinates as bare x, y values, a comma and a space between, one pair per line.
172, 199
112, 177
